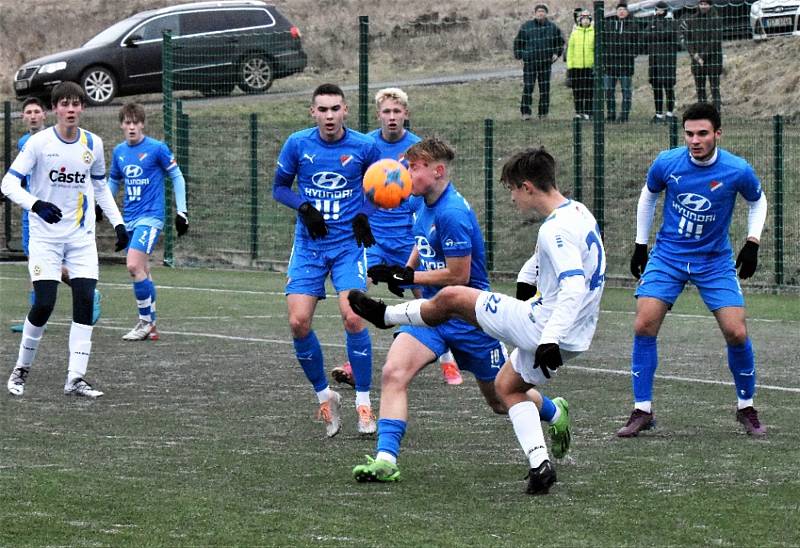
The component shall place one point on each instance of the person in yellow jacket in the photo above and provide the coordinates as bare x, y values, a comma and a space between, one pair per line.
580, 64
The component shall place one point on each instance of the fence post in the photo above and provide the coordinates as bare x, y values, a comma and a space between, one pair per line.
182, 145
599, 123
363, 73
253, 186
166, 86
7, 161
673, 131
488, 185
577, 152
778, 208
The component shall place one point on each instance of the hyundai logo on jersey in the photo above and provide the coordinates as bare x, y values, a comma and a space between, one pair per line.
132, 171
694, 202
328, 180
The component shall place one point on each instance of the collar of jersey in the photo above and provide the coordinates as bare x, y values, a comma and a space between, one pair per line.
706, 163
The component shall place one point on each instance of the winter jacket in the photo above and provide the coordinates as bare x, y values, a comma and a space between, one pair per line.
703, 37
538, 42
661, 38
580, 49
620, 45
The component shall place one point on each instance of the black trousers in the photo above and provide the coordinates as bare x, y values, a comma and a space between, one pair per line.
531, 73
582, 89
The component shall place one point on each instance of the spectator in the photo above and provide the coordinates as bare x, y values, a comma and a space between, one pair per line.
662, 47
703, 37
580, 64
538, 44
620, 43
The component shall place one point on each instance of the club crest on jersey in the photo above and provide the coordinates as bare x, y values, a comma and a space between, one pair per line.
345, 159
142, 156
715, 185
88, 158
37, 270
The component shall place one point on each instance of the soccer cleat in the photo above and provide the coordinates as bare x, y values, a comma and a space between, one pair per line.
80, 387
560, 435
369, 309
451, 373
366, 420
376, 470
747, 416
96, 307
330, 412
16, 382
17, 328
540, 479
344, 374
153, 336
140, 332
638, 422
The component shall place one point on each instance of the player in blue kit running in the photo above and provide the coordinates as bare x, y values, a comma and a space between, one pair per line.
332, 231
700, 183
139, 164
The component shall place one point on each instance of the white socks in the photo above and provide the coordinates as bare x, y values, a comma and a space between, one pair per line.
80, 346
407, 313
528, 428
31, 335
646, 406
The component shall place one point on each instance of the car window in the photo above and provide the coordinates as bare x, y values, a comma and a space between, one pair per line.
247, 18
111, 34
154, 29
197, 22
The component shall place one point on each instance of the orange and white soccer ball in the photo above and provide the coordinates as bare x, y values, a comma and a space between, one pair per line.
387, 183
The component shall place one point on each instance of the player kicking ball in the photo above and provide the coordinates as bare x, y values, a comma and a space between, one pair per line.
554, 326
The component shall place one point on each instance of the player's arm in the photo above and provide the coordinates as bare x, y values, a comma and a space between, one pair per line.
747, 259
105, 199
528, 278
645, 213
565, 255
455, 272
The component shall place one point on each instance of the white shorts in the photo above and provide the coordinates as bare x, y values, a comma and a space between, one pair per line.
514, 322
45, 259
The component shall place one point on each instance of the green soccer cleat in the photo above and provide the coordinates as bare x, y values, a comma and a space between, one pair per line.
376, 470
560, 435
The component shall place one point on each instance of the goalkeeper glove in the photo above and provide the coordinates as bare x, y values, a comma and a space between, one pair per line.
525, 291
393, 275
362, 231
747, 259
98, 213
547, 358
314, 221
50, 213
639, 260
122, 237
181, 223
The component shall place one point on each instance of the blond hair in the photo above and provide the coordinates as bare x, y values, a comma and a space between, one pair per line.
395, 94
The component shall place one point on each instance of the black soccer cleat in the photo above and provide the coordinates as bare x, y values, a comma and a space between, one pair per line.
368, 308
540, 479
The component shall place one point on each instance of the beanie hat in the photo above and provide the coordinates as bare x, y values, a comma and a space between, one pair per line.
541, 7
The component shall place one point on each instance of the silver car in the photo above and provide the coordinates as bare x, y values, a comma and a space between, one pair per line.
775, 18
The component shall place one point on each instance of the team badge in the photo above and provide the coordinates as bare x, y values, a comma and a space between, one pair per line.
142, 156
715, 185
87, 158
37, 270
345, 159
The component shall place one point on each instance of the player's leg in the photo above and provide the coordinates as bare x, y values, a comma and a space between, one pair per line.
450, 371
407, 357
142, 241
451, 302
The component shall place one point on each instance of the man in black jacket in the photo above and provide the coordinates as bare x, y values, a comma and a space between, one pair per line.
620, 42
662, 47
703, 36
538, 44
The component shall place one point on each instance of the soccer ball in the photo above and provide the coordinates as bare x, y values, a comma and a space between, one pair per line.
387, 183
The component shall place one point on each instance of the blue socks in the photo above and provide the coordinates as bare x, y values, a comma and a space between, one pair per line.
741, 362
548, 410
359, 352
309, 354
390, 434
142, 291
644, 360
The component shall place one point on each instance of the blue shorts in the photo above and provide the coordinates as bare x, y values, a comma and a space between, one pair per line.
309, 268
26, 232
664, 279
143, 238
474, 350
389, 252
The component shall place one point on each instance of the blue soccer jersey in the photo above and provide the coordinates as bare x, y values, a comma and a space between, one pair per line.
699, 201
393, 226
449, 228
142, 168
329, 176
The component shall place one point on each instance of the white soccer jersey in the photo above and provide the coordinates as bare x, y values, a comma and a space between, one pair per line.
68, 175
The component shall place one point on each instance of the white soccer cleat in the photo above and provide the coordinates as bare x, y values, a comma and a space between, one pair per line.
16, 382
366, 420
140, 332
80, 387
331, 413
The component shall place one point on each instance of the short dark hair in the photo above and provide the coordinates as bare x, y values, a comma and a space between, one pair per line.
533, 164
33, 101
132, 111
431, 149
327, 89
67, 90
541, 7
703, 111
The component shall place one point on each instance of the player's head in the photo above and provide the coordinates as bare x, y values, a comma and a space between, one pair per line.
701, 130
68, 101
131, 121
67, 91
33, 114
392, 105
530, 175
428, 162
329, 110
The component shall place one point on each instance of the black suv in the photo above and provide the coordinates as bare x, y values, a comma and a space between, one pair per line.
216, 46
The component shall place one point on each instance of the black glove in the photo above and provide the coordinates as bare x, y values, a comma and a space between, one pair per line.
98, 213
393, 275
639, 260
525, 291
748, 259
47, 211
122, 237
547, 358
181, 224
314, 221
362, 231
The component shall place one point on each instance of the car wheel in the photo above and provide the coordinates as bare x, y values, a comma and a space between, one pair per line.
99, 85
256, 74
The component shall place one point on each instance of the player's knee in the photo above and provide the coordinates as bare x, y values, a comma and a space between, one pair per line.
393, 375
136, 270
735, 335
353, 322
646, 327
44, 302
83, 300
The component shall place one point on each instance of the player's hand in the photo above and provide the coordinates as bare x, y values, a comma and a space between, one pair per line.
525, 291
547, 358
639, 260
314, 221
362, 231
47, 211
122, 237
393, 276
181, 223
98, 213
747, 260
